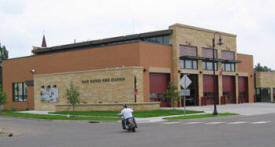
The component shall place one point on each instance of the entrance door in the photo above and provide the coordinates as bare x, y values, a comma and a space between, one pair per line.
193, 99
265, 94
158, 86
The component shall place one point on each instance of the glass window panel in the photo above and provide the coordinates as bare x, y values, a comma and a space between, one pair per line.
166, 40
15, 89
181, 63
223, 68
188, 64
25, 91
20, 89
216, 68
209, 66
203, 65
233, 67
227, 67
195, 64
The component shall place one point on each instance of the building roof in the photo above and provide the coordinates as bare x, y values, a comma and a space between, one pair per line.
96, 43
203, 29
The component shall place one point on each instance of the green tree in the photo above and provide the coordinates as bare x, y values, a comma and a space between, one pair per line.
3, 97
259, 68
172, 93
4, 54
72, 95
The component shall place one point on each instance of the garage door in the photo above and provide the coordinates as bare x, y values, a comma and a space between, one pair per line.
158, 86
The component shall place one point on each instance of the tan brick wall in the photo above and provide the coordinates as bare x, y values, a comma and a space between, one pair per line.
92, 93
110, 107
266, 80
200, 38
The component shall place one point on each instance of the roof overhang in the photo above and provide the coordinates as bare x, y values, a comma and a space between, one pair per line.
93, 43
209, 59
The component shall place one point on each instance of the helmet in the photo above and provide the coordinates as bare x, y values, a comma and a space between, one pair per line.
124, 105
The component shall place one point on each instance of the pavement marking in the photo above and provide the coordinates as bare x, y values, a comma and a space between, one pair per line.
169, 123
191, 123
260, 122
237, 122
214, 123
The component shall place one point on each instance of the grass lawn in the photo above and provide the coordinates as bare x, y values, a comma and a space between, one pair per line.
143, 114
200, 116
95, 115
2, 132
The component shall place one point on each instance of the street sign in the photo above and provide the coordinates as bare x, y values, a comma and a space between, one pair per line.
185, 81
185, 92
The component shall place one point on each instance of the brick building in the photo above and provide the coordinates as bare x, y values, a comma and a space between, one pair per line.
131, 69
265, 86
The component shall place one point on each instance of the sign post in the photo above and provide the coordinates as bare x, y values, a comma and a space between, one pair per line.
185, 82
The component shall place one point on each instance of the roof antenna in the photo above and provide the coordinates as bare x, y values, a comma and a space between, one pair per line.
44, 43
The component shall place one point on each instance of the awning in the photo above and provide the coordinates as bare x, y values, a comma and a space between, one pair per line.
208, 59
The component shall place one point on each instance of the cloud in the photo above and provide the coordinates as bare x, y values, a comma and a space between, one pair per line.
23, 22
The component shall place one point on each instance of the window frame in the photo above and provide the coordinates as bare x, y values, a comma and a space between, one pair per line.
19, 96
232, 67
193, 66
204, 65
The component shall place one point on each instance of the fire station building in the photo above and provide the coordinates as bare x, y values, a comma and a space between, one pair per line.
133, 69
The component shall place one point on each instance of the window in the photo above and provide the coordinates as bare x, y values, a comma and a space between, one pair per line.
208, 65
159, 39
208, 53
263, 94
273, 94
188, 64
188, 50
19, 92
228, 55
228, 67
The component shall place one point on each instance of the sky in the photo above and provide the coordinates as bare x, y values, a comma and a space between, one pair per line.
23, 22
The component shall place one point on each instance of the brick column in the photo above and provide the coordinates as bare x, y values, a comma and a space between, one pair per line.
237, 88
200, 82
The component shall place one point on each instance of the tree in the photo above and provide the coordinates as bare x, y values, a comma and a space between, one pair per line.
4, 54
72, 95
172, 93
259, 68
3, 97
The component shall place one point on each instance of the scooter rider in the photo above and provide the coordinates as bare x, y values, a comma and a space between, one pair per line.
126, 113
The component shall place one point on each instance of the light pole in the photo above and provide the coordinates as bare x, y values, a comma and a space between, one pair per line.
215, 112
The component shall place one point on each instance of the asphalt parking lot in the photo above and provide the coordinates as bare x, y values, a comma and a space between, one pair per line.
234, 131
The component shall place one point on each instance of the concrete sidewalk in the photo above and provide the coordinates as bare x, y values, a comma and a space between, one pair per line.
160, 119
246, 109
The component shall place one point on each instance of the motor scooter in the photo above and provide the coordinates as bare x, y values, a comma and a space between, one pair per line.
130, 125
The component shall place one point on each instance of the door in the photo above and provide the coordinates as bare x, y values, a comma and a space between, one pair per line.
208, 90
243, 90
193, 99
228, 85
158, 86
